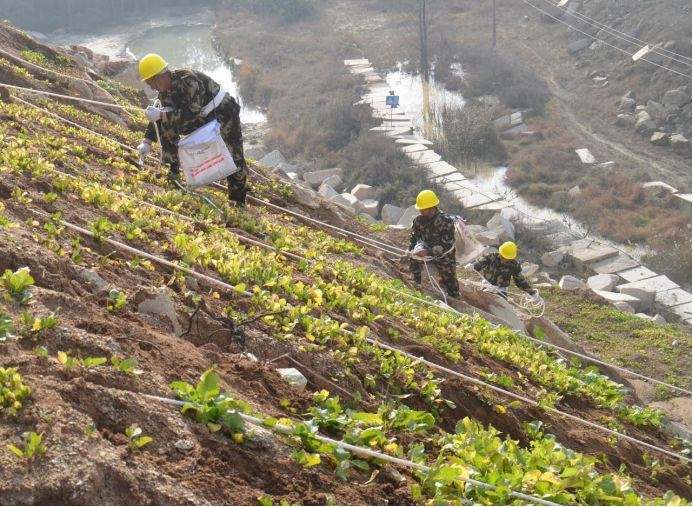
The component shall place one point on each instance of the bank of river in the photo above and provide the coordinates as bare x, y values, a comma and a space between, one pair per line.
187, 45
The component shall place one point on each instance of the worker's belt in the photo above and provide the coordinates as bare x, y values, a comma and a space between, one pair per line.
214, 102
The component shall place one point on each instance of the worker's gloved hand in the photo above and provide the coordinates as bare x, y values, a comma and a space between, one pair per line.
144, 148
469, 266
152, 113
419, 252
437, 250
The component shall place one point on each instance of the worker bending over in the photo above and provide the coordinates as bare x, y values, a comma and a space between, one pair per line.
433, 235
189, 100
499, 268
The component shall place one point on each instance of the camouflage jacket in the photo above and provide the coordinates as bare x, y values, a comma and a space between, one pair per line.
439, 230
499, 273
190, 91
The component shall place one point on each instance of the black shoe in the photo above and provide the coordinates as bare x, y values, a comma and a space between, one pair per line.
238, 196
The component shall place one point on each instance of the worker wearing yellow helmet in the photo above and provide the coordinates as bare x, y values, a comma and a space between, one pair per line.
500, 268
432, 239
189, 100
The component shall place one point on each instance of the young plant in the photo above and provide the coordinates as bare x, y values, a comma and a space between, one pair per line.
12, 390
17, 284
6, 326
70, 362
128, 366
116, 300
32, 446
46, 322
135, 441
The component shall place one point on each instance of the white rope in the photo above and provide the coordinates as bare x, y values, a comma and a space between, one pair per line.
519, 299
602, 41
361, 451
376, 343
429, 303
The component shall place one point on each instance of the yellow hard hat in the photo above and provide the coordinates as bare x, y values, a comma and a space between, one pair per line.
151, 65
426, 199
508, 250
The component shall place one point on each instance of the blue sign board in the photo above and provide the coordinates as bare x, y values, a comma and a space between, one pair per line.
392, 100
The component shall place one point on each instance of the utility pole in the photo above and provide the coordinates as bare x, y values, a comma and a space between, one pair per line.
494, 25
424, 66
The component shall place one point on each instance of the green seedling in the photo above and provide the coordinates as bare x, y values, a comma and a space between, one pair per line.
101, 227
69, 361
135, 441
6, 327
128, 366
32, 446
17, 285
12, 391
117, 300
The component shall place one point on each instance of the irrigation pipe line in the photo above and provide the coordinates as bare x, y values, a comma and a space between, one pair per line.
68, 97
361, 451
685, 60
298, 257
547, 344
54, 72
527, 400
373, 342
602, 41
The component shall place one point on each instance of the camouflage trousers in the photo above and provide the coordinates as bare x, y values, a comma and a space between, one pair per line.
447, 270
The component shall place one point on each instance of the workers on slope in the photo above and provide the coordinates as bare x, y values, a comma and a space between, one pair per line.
190, 99
433, 235
499, 268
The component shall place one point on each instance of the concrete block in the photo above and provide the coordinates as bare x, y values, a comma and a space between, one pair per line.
369, 207
568, 282
408, 217
655, 284
614, 264
326, 191
603, 282
586, 156
615, 297
273, 159
624, 307
673, 297
316, 178
552, 259
362, 192
636, 274
335, 181
498, 221
391, 214
645, 297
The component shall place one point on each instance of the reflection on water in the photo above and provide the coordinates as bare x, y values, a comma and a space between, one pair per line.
489, 179
191, 46
410, 91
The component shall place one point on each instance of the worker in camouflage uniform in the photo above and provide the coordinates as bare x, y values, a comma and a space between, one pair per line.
189, 100
433, 235
500, 268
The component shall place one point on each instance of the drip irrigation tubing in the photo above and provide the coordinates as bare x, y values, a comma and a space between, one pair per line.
361, 451
258, 243
373, 342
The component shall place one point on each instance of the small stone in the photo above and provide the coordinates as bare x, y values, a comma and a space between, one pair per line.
293, 377
184, 445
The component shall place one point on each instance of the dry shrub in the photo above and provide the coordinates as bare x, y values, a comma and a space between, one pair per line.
375, 160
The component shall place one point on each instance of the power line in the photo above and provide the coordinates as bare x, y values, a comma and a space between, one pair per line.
602, 41
623, 36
